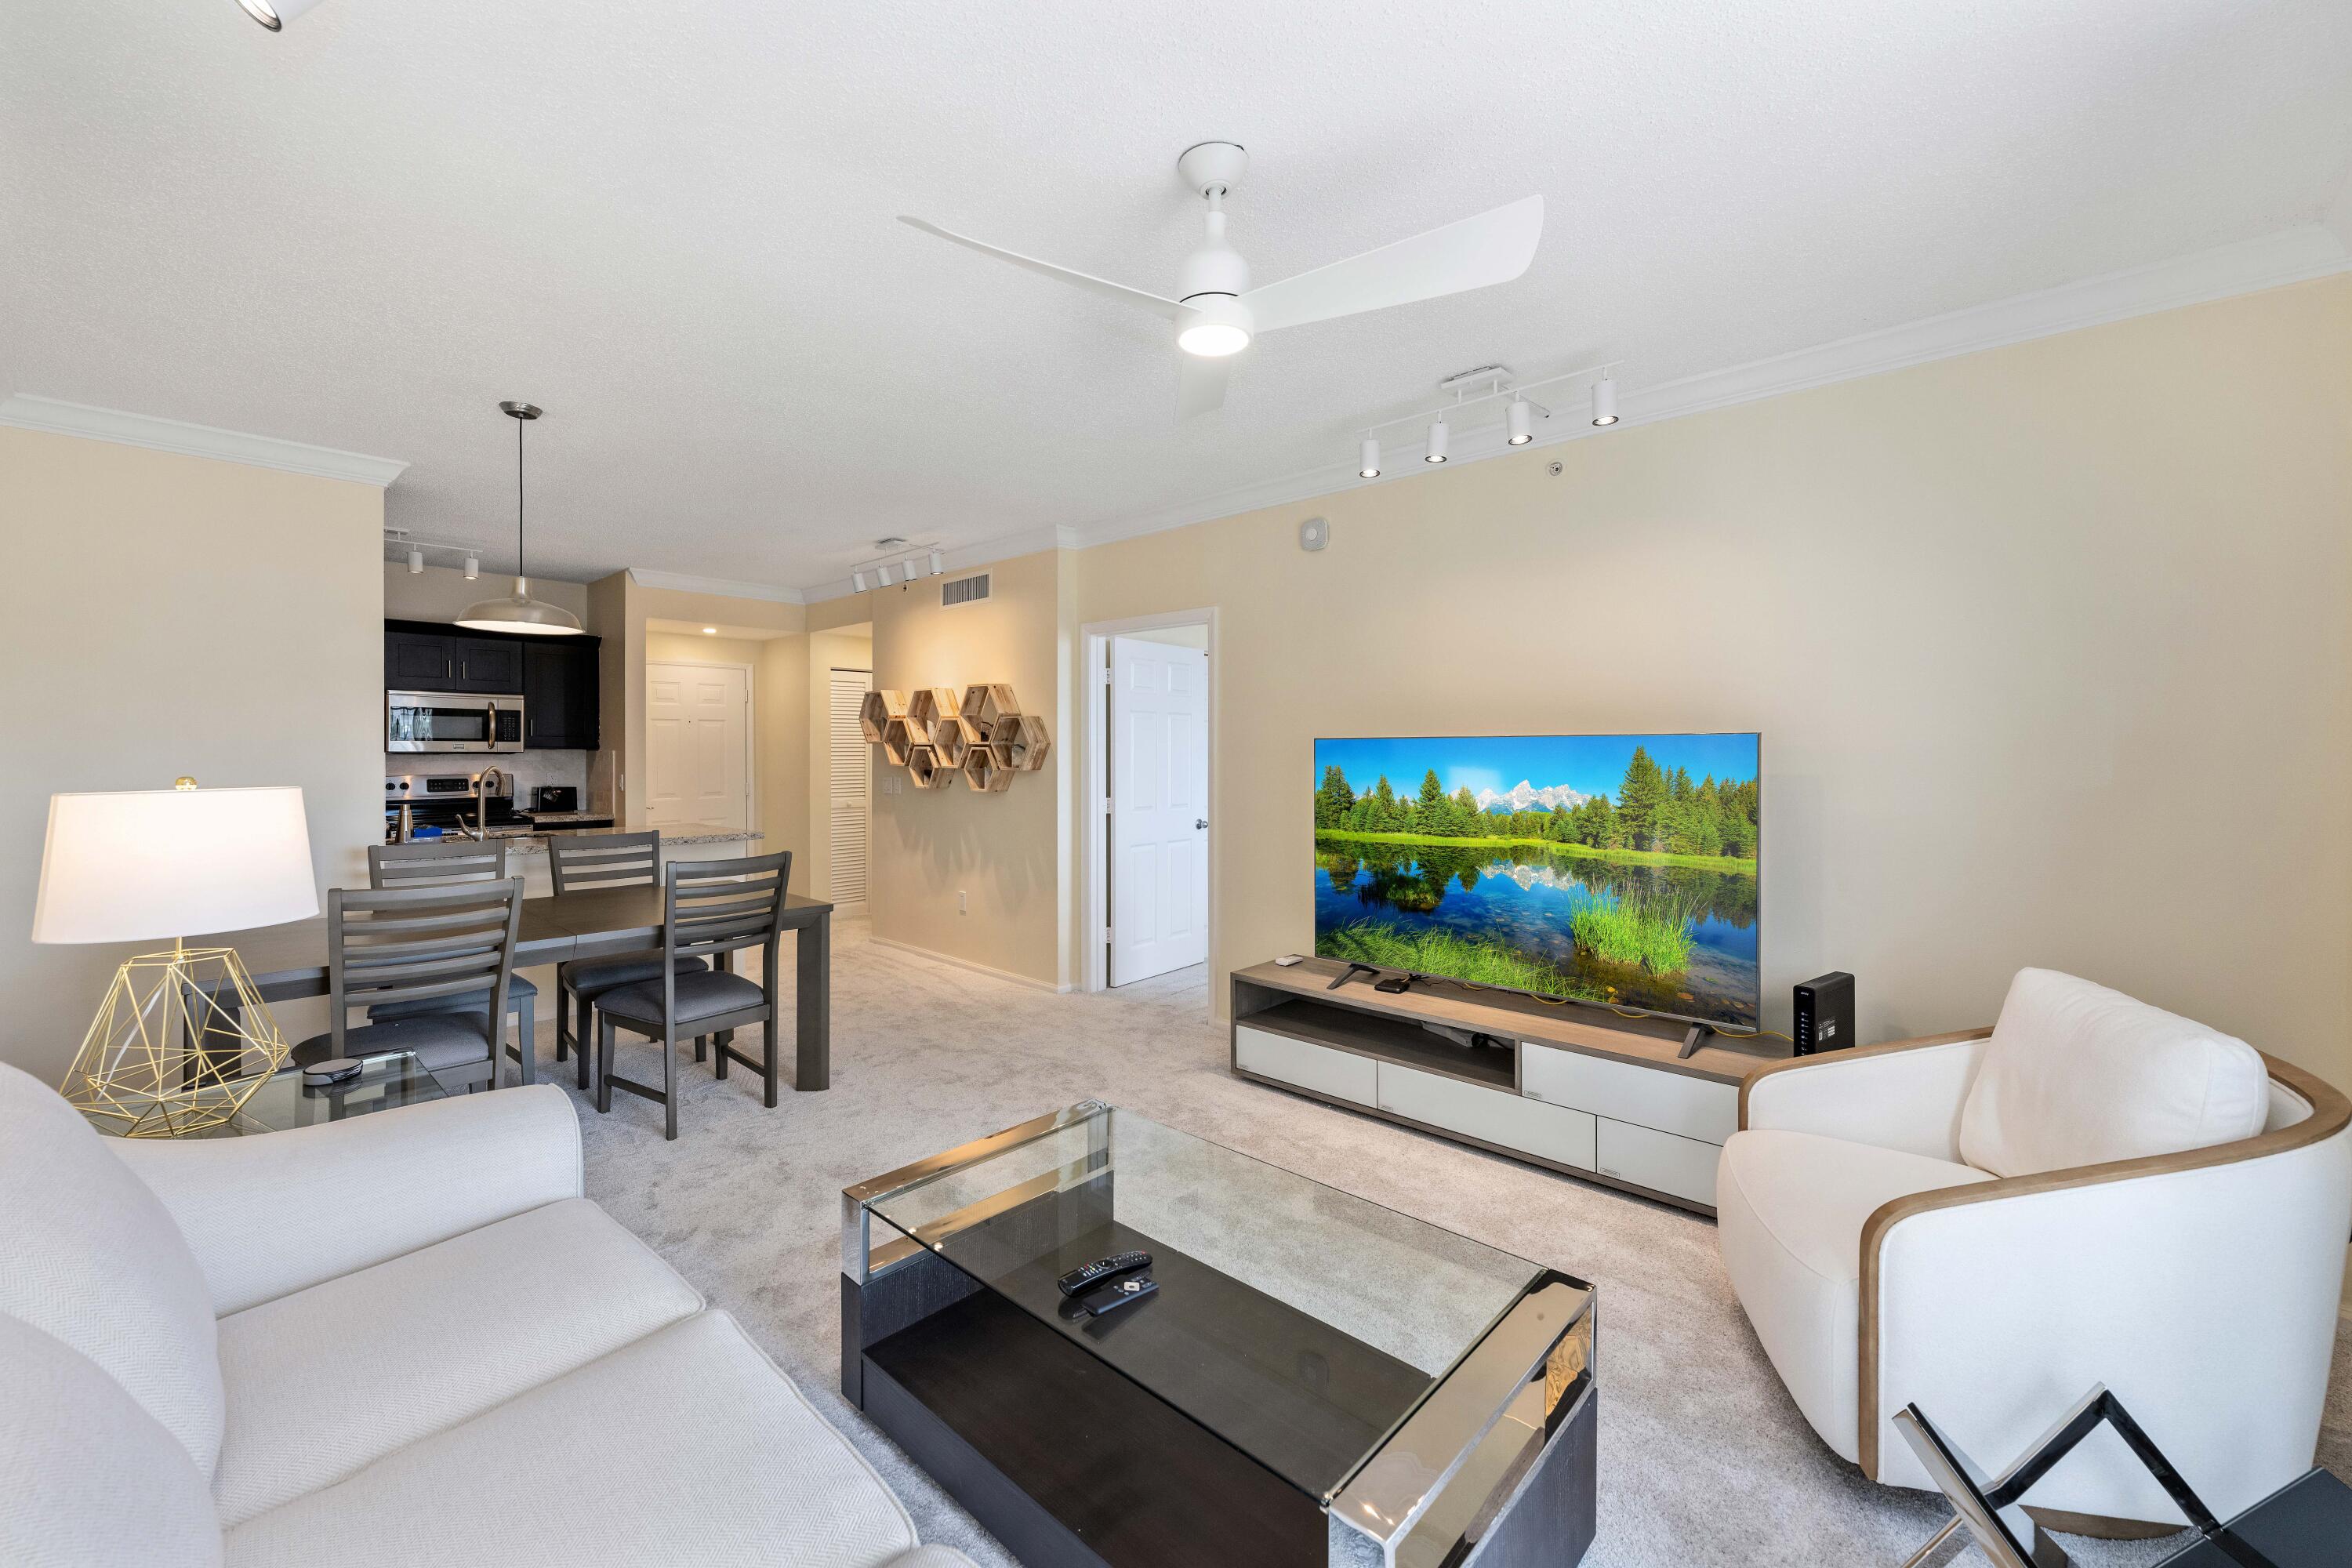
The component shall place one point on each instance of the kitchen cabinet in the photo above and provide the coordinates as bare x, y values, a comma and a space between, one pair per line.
560, 694
419, 656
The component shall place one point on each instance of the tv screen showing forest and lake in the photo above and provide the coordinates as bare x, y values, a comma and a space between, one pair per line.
1609, 868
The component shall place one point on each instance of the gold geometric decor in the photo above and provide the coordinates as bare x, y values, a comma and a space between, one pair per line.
938, 731
165, 1057
182, 1038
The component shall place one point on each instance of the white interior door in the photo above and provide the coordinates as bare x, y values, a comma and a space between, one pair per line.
697, 746
1159, 808
852, 779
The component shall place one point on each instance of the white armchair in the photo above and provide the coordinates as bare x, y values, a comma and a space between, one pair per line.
1902, 1226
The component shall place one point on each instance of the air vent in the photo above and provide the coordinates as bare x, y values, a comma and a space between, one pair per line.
964, 590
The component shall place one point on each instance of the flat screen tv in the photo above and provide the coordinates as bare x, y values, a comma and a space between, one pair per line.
1617, 870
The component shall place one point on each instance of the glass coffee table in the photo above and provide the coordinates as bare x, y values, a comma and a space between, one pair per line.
281, 1100
1309, 1377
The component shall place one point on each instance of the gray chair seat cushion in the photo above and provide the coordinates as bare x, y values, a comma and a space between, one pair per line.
705, 995
441, 1040
519, 991
591, 977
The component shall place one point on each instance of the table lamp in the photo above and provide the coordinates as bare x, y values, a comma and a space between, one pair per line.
167, 1053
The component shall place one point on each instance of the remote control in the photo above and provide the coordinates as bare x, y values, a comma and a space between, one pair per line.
1102, 1269
1111, 1298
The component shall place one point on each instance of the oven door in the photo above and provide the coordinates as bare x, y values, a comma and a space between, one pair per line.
440, 721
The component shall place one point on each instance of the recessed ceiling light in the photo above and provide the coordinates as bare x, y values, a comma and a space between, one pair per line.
711, 631
1437, 433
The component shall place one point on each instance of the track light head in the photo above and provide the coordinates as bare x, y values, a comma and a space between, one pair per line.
884, 573
938, 561
1605, 402
473, 568
857, 581
416, 561
914, 565
1368, 463
1437, 435
1522, 416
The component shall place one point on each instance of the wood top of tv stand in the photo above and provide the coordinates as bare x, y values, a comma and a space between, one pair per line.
1655, 1042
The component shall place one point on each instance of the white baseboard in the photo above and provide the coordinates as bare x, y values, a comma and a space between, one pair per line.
1029, 980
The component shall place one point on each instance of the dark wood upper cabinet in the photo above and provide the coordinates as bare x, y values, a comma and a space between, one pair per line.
419, 661
559, 693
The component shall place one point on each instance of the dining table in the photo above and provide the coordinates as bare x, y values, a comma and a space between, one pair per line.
289, 962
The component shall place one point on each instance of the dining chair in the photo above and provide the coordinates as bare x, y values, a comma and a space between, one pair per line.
579, 862
438, 863
451, 943
709, 908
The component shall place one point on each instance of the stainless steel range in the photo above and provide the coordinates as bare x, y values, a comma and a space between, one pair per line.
448, 802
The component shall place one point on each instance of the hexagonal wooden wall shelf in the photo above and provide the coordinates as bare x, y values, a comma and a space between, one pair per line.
923, 767
899, 738
953, 737
985, 705
930, 704
1022, 742
877, 711
980, 772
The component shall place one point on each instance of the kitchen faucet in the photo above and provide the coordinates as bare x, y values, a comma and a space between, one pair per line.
482, 782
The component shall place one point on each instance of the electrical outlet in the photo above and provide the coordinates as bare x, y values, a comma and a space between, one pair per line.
962, 908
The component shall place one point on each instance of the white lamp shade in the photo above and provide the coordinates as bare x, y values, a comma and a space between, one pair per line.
148, 864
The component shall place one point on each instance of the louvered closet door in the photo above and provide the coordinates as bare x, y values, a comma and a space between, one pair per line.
853, 778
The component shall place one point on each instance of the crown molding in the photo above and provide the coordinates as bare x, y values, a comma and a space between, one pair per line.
967, 557
25, 412
2291, 256
724, 587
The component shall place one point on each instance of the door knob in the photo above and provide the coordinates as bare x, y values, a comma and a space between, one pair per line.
1203, 821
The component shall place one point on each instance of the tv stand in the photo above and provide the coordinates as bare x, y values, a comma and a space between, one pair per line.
1640, 1104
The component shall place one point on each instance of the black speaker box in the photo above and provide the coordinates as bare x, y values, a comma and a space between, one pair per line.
1824, 1014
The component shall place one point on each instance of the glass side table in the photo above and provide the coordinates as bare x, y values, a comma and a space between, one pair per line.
282, 1102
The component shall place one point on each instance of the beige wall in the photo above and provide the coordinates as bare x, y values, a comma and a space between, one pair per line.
1006, 853
2051, 647
164, 614
443, 593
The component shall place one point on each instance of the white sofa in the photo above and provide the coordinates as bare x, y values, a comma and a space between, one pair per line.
1988, 1223
403, 1339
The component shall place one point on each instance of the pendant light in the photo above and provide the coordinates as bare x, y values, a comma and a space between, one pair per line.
519, 612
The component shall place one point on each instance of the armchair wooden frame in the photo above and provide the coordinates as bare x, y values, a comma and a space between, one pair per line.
2331, 1111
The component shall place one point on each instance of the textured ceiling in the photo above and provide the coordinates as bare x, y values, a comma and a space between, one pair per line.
671, 225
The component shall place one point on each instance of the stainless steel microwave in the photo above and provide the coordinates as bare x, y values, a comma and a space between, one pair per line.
451, 722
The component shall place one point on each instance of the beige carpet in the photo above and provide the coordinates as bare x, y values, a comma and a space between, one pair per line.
1702, 1459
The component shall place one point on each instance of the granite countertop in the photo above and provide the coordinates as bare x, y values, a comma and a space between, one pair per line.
679, 832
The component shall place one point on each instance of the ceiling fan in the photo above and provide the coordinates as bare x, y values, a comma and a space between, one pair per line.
1217, 312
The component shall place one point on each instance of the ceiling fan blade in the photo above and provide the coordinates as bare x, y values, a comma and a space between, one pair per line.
1492, 248
1200, 385
1168, 307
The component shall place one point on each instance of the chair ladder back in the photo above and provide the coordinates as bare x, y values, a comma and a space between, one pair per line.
713, 907
603, 860
419, 944
430, 863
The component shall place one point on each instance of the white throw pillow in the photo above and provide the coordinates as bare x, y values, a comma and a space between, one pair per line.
2080, 1074
89, 1254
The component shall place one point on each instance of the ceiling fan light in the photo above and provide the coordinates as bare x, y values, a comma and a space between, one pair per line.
1219, 325
1522, 421
1437, 435
1368, 465
1605, 403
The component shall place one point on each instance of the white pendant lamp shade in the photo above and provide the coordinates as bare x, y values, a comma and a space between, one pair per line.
161, 864
519, 612
1605, 402
1437, 435
275, 14
1368, 464
1522, 421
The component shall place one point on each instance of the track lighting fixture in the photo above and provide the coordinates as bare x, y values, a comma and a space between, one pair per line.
1519, 411
473, 568
913, 567
857, 581
1522, 418
416, 561
1605, 402
938, 561
884, 573
275, 14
